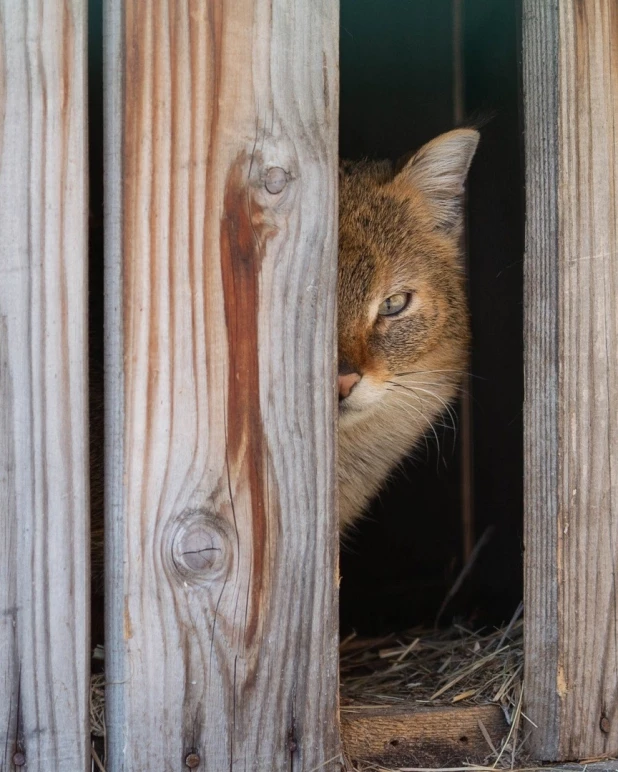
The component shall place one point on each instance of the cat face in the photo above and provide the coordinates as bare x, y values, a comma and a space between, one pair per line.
403, 322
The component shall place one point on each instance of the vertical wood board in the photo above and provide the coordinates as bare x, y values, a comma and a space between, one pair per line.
44, 567
572, 378
222, 533
541, 318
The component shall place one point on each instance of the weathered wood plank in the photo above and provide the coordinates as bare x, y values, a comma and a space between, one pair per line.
571, 84
423, 737
222, 534
44, 568
540, 64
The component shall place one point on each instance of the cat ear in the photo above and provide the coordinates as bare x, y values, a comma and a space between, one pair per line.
438, 171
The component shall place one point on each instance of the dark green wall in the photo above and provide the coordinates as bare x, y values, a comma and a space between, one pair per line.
396, 75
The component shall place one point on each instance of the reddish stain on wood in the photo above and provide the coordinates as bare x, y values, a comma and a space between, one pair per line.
243, 235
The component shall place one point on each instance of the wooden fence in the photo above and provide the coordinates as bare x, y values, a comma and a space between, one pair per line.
220, 164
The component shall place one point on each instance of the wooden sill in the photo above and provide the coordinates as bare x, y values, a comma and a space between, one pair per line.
422, 737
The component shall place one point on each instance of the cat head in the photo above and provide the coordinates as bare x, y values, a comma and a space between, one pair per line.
403, 318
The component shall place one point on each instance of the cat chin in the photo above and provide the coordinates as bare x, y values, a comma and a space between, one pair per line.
348, 414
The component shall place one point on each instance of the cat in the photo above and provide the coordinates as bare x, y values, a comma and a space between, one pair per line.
403, 330
403, 322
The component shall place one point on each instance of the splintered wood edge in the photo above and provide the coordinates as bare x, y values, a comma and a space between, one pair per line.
425, 737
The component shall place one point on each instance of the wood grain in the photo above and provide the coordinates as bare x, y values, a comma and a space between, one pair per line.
571, 81
44, 567
541, 355
221, 523
423, 737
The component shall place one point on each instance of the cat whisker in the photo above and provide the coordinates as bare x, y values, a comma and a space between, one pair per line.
431, 372
451, 427
403, 396
424, 435
431, 424
423, 372
432, 383
407, 403
414, 390
460, 391
449, 410
443, 402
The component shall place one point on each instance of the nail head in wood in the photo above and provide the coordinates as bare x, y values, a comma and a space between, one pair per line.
276, 179
19, 759
192, 760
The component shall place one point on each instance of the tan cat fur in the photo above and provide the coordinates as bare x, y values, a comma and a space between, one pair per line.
399, 234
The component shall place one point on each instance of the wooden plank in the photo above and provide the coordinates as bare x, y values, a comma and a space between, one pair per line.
571, 296
540, 65
222, 532
44, 568
423, 737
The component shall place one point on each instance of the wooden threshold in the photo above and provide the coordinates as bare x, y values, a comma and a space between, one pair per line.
422, 737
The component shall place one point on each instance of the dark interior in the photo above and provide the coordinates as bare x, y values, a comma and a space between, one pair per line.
398, 85
95, 272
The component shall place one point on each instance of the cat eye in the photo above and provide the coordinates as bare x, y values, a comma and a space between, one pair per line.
394, 304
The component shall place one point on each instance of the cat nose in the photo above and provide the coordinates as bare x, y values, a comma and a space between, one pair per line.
347, 383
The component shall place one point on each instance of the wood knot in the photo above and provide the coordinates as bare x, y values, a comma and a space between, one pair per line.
201, 547
192, 760
275, 180
604, 724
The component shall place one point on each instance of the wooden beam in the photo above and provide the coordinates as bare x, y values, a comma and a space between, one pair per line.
422, 737
222, 548
44, 567
571, 363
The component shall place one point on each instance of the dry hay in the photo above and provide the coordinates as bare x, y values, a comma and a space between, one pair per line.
424, 668
97, 705
443, 667
439, 667
97, 721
